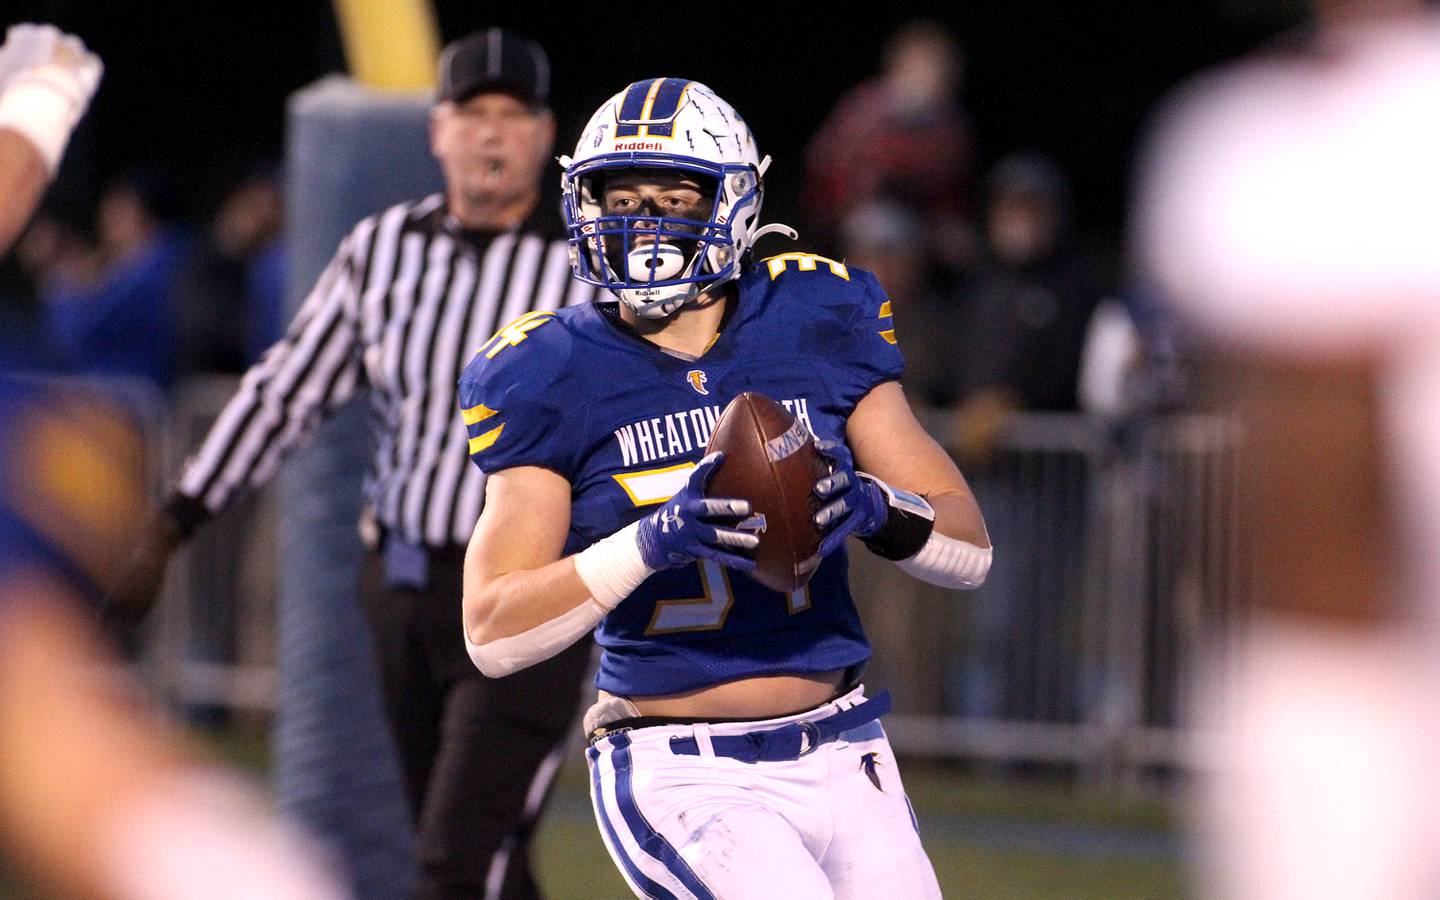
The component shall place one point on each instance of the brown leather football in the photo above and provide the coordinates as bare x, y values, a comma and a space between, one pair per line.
771, 460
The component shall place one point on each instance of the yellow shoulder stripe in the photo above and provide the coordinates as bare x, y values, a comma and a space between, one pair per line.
485, 440
888, 335
884, 310
477, 414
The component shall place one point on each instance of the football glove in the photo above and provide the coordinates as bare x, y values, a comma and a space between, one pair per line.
853, 502
691, 526
47, 78
893, 523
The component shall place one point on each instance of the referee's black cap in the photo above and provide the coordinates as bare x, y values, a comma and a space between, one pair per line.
494, 59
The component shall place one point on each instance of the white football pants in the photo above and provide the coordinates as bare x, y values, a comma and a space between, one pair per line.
831, 823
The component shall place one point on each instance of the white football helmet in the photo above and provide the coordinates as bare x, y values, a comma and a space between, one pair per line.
675, 125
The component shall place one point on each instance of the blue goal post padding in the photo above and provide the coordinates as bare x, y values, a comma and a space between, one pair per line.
350, 152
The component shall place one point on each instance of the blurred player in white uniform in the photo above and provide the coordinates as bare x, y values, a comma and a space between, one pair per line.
1291, 207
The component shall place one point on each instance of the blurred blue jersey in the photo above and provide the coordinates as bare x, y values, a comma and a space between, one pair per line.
624, 421
71, 490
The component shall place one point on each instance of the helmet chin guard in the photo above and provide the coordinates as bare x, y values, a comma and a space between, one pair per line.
656, 303
656, 264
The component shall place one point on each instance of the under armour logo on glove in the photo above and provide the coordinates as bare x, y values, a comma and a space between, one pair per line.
692, 526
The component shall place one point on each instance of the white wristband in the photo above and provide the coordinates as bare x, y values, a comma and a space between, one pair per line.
42, 113
949, 562
612, 568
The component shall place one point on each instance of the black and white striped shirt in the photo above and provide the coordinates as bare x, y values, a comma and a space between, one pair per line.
407, 299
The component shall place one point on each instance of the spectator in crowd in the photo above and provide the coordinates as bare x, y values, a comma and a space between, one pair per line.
888, 239
903, 136
1015, 344
1020, 330
230, 297
229, 308
57, 256
1132, 365
124, 323
54, 256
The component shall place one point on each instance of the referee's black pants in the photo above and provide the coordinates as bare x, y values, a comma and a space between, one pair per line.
479, 755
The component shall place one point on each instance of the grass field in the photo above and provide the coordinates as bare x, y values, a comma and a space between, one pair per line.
988, 837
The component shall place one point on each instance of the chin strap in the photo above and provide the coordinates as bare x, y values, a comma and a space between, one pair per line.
774, 228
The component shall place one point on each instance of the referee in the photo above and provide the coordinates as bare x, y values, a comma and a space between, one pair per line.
408, 296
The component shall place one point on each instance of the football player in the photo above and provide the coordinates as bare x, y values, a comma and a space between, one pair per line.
733, 750
1288, 209
96, 798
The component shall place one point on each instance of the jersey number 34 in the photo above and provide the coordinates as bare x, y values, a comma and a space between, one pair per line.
708, 611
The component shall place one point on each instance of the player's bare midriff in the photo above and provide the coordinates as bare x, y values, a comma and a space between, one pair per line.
749, 698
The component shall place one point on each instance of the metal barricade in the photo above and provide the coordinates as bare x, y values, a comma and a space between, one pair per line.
211, 640
1195, 575
1117, 553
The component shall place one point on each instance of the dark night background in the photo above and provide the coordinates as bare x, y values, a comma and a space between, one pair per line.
196, 90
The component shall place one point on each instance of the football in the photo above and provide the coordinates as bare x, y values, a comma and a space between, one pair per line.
771, 460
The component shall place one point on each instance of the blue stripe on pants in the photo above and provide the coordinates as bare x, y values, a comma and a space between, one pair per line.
651, 841
638, 877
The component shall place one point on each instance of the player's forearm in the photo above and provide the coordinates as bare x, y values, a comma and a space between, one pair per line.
525, 617
941, 540
957, 515
98, 799
48, 80
523, 601
503, 606
56, 711
23, 179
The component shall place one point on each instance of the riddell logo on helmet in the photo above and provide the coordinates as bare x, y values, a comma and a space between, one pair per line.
638, 145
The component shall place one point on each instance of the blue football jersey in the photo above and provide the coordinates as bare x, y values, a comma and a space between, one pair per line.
624, 421
71, 489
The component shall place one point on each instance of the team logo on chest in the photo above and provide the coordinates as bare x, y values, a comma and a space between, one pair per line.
868, 764
697, 381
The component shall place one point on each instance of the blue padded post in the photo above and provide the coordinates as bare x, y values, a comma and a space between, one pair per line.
350, 152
